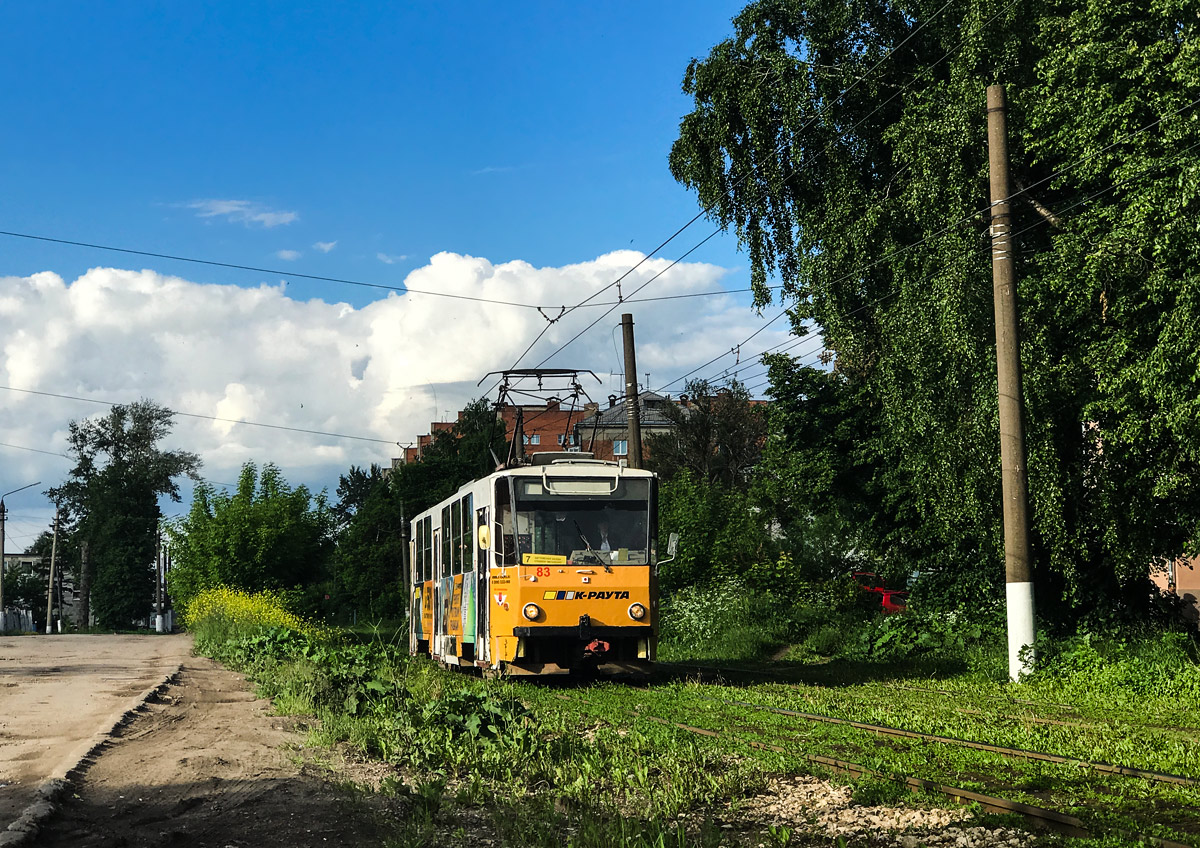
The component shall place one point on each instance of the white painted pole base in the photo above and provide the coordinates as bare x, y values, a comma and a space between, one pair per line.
160, 624
1019, 597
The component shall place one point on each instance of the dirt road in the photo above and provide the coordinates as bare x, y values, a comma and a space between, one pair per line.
205, 764
202, 763
58, 692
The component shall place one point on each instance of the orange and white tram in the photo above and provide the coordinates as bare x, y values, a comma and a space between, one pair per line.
547, 568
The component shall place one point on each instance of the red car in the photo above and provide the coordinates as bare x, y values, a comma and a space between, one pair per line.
892, 600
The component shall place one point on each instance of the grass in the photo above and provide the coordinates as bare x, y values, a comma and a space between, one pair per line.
535, 774
528, 764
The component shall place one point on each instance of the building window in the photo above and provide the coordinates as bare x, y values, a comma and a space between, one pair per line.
620, 447
535, 439
568, 439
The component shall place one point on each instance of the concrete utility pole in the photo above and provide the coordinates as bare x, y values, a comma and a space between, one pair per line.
3, 515
158, 581
1018, 580
631, 394
50, 589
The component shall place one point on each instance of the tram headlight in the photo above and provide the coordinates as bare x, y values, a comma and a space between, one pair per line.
531, 611
637, 612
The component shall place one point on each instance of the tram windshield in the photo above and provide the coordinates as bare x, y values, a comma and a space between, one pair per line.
598, 520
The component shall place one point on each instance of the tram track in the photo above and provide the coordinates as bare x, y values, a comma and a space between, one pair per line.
1039, 817
784, 680
1016, 753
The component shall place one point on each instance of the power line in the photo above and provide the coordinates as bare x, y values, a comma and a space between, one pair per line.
206, 417
974, 214
239, 267
33, 450
733, 186
610, 310
1037, 223
779, 148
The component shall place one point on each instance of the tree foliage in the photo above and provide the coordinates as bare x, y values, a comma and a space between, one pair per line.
265, 535
720, 533
845, 144
374, 509
705, 464
111, 497
717, 435
371, 545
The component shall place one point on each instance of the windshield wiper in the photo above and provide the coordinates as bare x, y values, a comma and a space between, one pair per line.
588, 545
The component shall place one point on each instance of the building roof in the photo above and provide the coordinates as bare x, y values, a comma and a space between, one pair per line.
650, 406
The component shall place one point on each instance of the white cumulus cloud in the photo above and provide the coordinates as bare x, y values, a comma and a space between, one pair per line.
380, 371
241, 212
391, 259
288, 255
324, 246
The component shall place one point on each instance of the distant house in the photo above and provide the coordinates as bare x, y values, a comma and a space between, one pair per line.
606, 432
555, 427
1183, 577
547, 427
39, 567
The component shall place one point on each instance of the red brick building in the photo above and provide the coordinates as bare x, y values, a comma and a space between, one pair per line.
547, 427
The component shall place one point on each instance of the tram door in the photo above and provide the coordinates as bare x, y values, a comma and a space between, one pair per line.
462, 602
480, 598
451, 554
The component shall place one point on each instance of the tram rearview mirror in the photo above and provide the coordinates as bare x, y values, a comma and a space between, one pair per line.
672, 544
485, 537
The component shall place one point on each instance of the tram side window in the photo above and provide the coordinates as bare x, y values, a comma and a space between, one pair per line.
455, 538
419, 550
505, 544
466, 543
446, 542
428, 569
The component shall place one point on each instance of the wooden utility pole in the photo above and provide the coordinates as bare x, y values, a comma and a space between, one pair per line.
631, 394
1018, 579
50, 588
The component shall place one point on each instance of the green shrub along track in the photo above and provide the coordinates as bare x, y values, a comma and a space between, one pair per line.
1071, 793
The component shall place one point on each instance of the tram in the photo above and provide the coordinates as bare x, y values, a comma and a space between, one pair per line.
540, 569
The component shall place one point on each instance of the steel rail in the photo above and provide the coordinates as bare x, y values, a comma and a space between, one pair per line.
1038, 720
1016, 753
1061, 822
786, 681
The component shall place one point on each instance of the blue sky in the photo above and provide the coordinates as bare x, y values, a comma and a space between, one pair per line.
513, 131
515, 151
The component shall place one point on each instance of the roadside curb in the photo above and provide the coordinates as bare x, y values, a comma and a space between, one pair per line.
48, 793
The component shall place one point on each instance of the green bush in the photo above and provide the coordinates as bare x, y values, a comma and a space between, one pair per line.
1128, 669
727, 620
